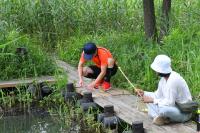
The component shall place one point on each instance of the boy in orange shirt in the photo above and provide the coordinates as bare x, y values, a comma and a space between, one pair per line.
103, 69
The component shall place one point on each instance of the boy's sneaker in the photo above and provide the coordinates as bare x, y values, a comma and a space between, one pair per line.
160, 120
106, 86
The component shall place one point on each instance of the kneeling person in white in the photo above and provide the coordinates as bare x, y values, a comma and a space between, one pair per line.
172, 88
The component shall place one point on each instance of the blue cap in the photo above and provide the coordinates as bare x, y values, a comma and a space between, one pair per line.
89, 50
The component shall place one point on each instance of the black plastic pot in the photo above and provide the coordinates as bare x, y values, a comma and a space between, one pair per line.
111, 122
108, 118
137, 127
89, 105
22, 51
198, 122
1, 111
71, 97
39, 90
100, 117
109, 110
45, 89
35, 91
70, 87
32, 89
87, 97
43, 84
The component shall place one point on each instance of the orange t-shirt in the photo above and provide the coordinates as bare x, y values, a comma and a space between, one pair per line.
101, 59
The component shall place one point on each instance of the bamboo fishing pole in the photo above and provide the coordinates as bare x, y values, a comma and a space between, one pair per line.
135, 89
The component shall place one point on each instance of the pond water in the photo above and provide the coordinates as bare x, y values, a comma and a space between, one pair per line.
29, 124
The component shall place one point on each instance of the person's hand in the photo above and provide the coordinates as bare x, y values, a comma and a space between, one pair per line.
91, 86
147, 99
139, 92
81, 82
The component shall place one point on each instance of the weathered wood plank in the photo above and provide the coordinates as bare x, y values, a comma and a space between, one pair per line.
15, 83
129, 114
125, 106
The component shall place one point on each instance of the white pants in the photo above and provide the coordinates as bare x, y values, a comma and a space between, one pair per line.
173, 113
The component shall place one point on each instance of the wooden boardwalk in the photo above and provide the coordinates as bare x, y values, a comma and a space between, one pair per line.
125, 106
15, 83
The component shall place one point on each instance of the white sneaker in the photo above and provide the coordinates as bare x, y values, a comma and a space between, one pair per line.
160, 120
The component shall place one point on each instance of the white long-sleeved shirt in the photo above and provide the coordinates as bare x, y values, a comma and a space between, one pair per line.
175, 89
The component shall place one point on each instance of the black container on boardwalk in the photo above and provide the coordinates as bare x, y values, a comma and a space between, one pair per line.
87, 98
198, 121
137, 127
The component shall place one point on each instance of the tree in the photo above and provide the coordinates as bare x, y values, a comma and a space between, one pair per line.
149, 19
166, 6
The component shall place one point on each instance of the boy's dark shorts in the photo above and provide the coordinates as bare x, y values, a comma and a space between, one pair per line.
97, 71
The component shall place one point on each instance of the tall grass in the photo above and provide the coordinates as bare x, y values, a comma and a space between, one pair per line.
117, 25
62, 18
35, 63
55, 20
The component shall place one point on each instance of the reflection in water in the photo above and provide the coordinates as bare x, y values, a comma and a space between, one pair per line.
29, 124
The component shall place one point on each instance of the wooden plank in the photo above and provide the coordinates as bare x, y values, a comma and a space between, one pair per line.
125, 106
129, 114
15, 83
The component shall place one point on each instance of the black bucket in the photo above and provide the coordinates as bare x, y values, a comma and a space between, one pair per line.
111, 122
87, 97
198, 122
137, 127
109, 110
70, 87
35, 91
45, 89
100, 117
89, 105
21, 51
71, 97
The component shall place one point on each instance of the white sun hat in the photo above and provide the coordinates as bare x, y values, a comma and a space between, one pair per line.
162, 64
